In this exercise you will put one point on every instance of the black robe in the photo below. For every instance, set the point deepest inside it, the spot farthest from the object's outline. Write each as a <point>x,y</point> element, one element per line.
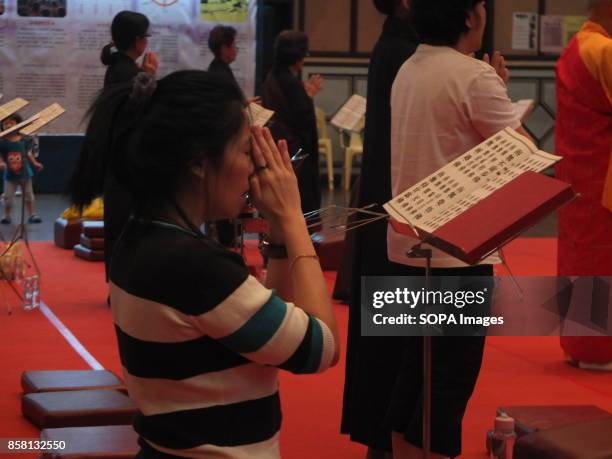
<point>122,69</point>
<point>118,203</point>
<point>295,121</point>
<point>218,67</point>
<point>226,230</point>
<point>372,362</point>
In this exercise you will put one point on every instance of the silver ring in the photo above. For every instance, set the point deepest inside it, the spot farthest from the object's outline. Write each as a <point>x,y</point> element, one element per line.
<point>261,168</point>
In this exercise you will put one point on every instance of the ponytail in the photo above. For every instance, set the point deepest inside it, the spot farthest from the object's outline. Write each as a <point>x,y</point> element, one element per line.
<point>106,56</point>
<point>89,175</point>
<point>146,133</point>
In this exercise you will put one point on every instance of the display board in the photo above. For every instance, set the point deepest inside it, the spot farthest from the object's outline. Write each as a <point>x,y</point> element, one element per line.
<point>50,49</point>
<point>536,27</point>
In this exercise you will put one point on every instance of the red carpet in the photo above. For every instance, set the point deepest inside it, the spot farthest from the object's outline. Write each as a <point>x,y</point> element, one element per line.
<point>515,371</point>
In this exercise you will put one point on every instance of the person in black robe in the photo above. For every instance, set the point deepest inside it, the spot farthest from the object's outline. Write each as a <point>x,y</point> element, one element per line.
<point>372,362</point>
<point>222,43</point>
<point>129,32</point>
<point>292,101</point>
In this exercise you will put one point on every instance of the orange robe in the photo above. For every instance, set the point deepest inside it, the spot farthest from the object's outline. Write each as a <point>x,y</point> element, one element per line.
<point>584,139</point>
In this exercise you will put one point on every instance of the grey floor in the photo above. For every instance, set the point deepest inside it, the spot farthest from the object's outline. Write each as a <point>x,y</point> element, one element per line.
<point>50,206</point>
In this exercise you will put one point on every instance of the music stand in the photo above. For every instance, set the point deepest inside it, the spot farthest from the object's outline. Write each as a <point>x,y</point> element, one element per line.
<point>418,252</point>
<point>21,233</point>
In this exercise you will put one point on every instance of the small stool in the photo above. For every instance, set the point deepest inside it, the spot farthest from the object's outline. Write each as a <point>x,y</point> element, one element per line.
<point>329,249</point>
<point>104,442</point>
<point>529,419</point>
<point>88,254</point>
<point>584,440</point>
<point>93,228</point>
<point>66,233</point>
<point>62,380</point>
<point>78,408</point>
<point>93,243</point>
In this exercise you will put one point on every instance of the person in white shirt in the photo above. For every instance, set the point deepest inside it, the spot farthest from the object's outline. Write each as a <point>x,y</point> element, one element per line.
<point>443,103</point>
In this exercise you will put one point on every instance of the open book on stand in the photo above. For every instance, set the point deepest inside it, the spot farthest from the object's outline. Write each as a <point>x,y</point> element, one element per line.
<point>35,122</point>
<point>11,107</point>
<point>482,199</point>
<point>350,115</point>
<point>259,115</point>
<point>524,108</point>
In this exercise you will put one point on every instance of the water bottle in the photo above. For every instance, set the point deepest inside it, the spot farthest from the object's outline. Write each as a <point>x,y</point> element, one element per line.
<point>502,438</point>
<point>31,291</point>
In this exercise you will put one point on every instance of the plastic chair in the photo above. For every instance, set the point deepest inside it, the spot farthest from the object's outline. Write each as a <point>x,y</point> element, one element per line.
<point>354,148</point>
<point>325,146</point>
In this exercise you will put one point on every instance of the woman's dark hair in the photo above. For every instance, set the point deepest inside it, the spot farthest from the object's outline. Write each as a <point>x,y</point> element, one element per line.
<point>386,7</point>
<point>148,142</point>
<point>220,35</point>
<point>126,28</point>
<point>290,47</point>
<point>441,22</point>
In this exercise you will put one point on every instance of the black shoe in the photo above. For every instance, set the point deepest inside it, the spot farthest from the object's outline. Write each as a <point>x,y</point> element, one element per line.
<point>34,219</point>
<point>5,221</point>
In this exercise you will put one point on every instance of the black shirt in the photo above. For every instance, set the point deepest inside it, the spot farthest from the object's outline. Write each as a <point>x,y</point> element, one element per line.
<point>295,121</point>
<point>219,67</point>
<point>122,69</point>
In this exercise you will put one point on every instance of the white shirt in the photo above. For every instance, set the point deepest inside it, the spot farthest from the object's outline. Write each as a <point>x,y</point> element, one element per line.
<point>443,103</point>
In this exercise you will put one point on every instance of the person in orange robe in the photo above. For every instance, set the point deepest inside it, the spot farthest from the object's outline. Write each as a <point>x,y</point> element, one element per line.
<point>584,140</point>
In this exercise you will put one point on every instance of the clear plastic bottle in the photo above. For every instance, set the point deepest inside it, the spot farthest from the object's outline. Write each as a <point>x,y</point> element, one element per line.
<point>31,293</point>
<point>502,438</point>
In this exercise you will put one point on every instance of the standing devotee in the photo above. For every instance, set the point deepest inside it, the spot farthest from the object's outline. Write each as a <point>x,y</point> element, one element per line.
<point>584,139</point>
<point>129,33</point>
<point>222,43</point>
<point>295,120</point>
<point>366,399</point>
<point>130,37</point>
<point>201,341</point>
<point>443,103</point>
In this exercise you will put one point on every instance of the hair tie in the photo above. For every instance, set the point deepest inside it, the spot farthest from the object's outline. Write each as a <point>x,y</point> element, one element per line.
<point>143,87</point>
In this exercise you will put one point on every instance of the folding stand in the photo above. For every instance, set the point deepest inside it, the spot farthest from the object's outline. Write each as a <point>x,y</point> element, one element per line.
<point>21,232</point>
<point>419,252</point>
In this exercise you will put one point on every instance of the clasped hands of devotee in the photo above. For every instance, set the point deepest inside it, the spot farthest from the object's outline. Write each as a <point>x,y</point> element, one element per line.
<point>313,85</point>
<point>274,186</point>
<point>150,62</point>
<point>498,63</point>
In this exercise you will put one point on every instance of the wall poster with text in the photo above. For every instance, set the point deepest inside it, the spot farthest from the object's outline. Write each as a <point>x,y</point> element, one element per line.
<point>50,49</point>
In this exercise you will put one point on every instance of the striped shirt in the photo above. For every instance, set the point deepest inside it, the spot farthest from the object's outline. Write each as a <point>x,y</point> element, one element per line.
<point>201,341</point>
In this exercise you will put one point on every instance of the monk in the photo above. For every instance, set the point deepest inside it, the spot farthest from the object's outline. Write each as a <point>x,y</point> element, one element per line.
<point>584,139</point>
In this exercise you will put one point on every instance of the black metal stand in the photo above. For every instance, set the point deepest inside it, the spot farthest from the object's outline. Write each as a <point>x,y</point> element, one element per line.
<point>419,252</point>
<point>21,232</point>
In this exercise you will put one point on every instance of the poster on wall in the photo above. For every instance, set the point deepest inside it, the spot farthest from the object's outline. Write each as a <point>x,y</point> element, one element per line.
<point>50,49</point>
<point>524,31</point>
<point>558,31</point>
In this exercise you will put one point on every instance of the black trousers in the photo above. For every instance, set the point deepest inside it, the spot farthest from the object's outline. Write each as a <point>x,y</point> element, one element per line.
<point>456,363</point>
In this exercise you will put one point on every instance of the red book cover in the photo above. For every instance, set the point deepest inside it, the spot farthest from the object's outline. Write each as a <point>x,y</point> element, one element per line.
<point>498,218</point>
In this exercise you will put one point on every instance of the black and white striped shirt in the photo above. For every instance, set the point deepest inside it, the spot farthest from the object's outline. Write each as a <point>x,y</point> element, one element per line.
<point>201,341</point>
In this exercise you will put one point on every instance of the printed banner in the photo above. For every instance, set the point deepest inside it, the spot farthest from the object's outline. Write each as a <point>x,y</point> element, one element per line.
<point>50,49</point>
